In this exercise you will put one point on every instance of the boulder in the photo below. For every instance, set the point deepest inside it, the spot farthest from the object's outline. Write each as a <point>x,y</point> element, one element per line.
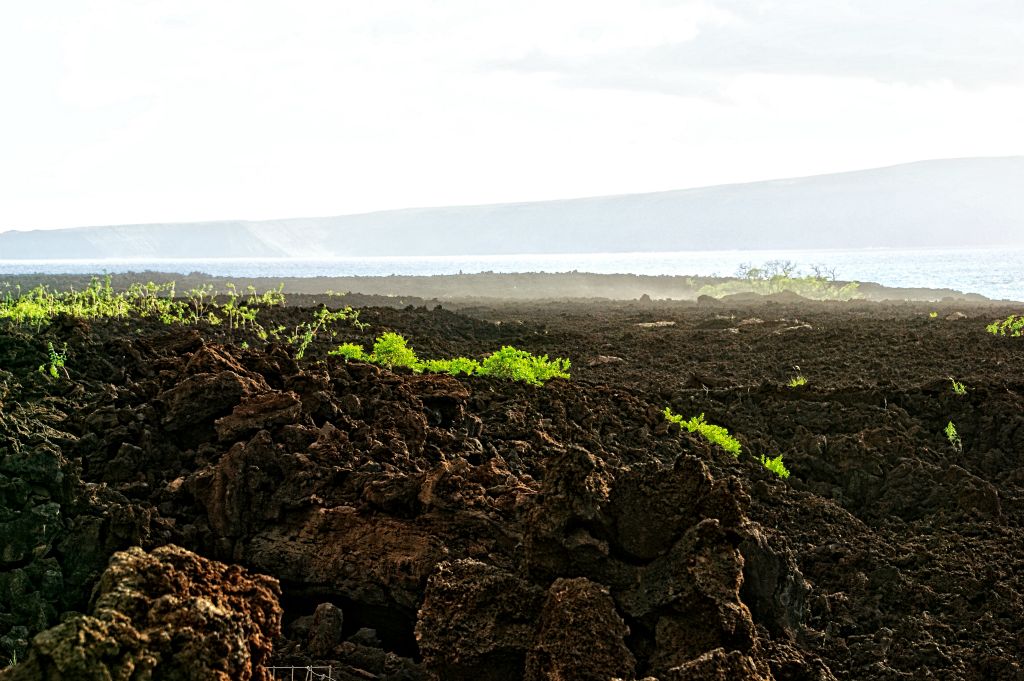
<point>164,615</point>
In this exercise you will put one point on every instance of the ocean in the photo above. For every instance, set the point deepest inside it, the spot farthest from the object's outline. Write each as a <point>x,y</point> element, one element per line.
<point>997,273</point>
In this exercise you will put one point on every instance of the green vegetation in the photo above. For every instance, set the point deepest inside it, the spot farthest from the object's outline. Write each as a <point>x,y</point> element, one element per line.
<point>519,365</point>
<point>392,350</point>
<point>933,314</point>
<point>714,434</point>
<point>237,312</point>
<point>777,276</point>
<point>1011,326</point>
<point>41,305</point>
<point>797,381</point>
<point>720,436</point>
<point>242,314</point>
<point>55,362</point>
<point>350,351</point>
<point>958,387</point>
<point>775,465</point>
<point>323,319</point>
<point>953,437</point>
<point>455,367</point>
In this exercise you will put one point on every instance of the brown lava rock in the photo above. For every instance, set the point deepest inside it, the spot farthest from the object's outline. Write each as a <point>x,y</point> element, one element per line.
<point>167,614</point>
<point>581,635</point>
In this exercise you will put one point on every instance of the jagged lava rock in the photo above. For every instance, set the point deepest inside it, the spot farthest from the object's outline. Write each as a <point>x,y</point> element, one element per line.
<point>165,615</point>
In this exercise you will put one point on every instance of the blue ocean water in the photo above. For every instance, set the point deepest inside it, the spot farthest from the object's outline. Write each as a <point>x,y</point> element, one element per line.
<point>994,272</point>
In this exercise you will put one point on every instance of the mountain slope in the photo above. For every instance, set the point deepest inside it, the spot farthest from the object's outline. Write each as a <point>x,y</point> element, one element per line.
<point>945,203</point>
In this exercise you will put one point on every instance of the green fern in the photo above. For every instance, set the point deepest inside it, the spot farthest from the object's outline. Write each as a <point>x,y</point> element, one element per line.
<point>775,465</point>
<point>714,434</point>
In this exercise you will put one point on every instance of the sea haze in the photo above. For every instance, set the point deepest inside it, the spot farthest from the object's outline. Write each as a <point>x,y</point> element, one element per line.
<point>992,272</point>
<point>940,204</point>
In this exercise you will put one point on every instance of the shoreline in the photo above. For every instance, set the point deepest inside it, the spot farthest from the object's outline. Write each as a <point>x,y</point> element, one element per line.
<point>455,289</point>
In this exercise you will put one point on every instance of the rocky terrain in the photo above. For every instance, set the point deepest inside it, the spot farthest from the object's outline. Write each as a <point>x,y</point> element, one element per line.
<point>183,505</point>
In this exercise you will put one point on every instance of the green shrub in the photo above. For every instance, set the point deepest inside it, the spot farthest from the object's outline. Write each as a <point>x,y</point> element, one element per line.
<point>392,350</point>
<point>98,300</point>
<point>953,437</point>
<point>710,432</point>
<point>455,367</point>
<point>775,465</point>
<point>797,381</point>
<point>958,387</point>
<point>1011,326</point>
<point>519,365</point>
<point>323,320</point>
<point>350,351</point>
<point>55,362</point>
<point>777,276</point>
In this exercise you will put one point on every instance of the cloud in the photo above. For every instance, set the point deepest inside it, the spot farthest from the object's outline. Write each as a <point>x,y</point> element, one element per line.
<point>143,110</point>
<point>967,43</point>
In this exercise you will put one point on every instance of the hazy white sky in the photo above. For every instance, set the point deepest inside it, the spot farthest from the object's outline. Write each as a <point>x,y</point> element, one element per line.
<point>118,111</point>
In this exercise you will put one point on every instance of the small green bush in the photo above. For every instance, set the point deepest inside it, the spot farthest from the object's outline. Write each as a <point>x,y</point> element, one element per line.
<point>710,432</point>
<point>350,351</point>
<point>775,465</point>
<point>958,387</point>
<point>455,367</point>
<point>519,365</point>
<point>55,362</point>
<point>323,320</point>
<point>1011,326</point>
<point>797,381</point>
<point>777,276</point>
<point>392,350</point>
<point>953,437</point>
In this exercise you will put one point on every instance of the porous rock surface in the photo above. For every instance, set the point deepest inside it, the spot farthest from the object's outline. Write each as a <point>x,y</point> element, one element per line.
<point>431,527</point>
<point>167,614</point>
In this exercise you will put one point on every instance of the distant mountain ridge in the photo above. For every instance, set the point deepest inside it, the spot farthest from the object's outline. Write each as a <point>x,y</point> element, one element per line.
<point>942,203</point>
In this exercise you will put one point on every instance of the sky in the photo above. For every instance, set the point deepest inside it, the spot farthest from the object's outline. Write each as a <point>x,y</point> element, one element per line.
<point>134,111</point>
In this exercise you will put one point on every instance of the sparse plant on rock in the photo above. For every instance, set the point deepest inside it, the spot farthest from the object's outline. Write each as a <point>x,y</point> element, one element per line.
<point>323,319</point>
<point>775,465</point>
<point>710,432</point>
<point>954,437</point>
<point>1011,326</point>
<point>55,362</point>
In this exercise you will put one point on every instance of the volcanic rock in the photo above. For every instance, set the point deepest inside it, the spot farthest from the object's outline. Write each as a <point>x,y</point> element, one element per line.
<point>168,614</point>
